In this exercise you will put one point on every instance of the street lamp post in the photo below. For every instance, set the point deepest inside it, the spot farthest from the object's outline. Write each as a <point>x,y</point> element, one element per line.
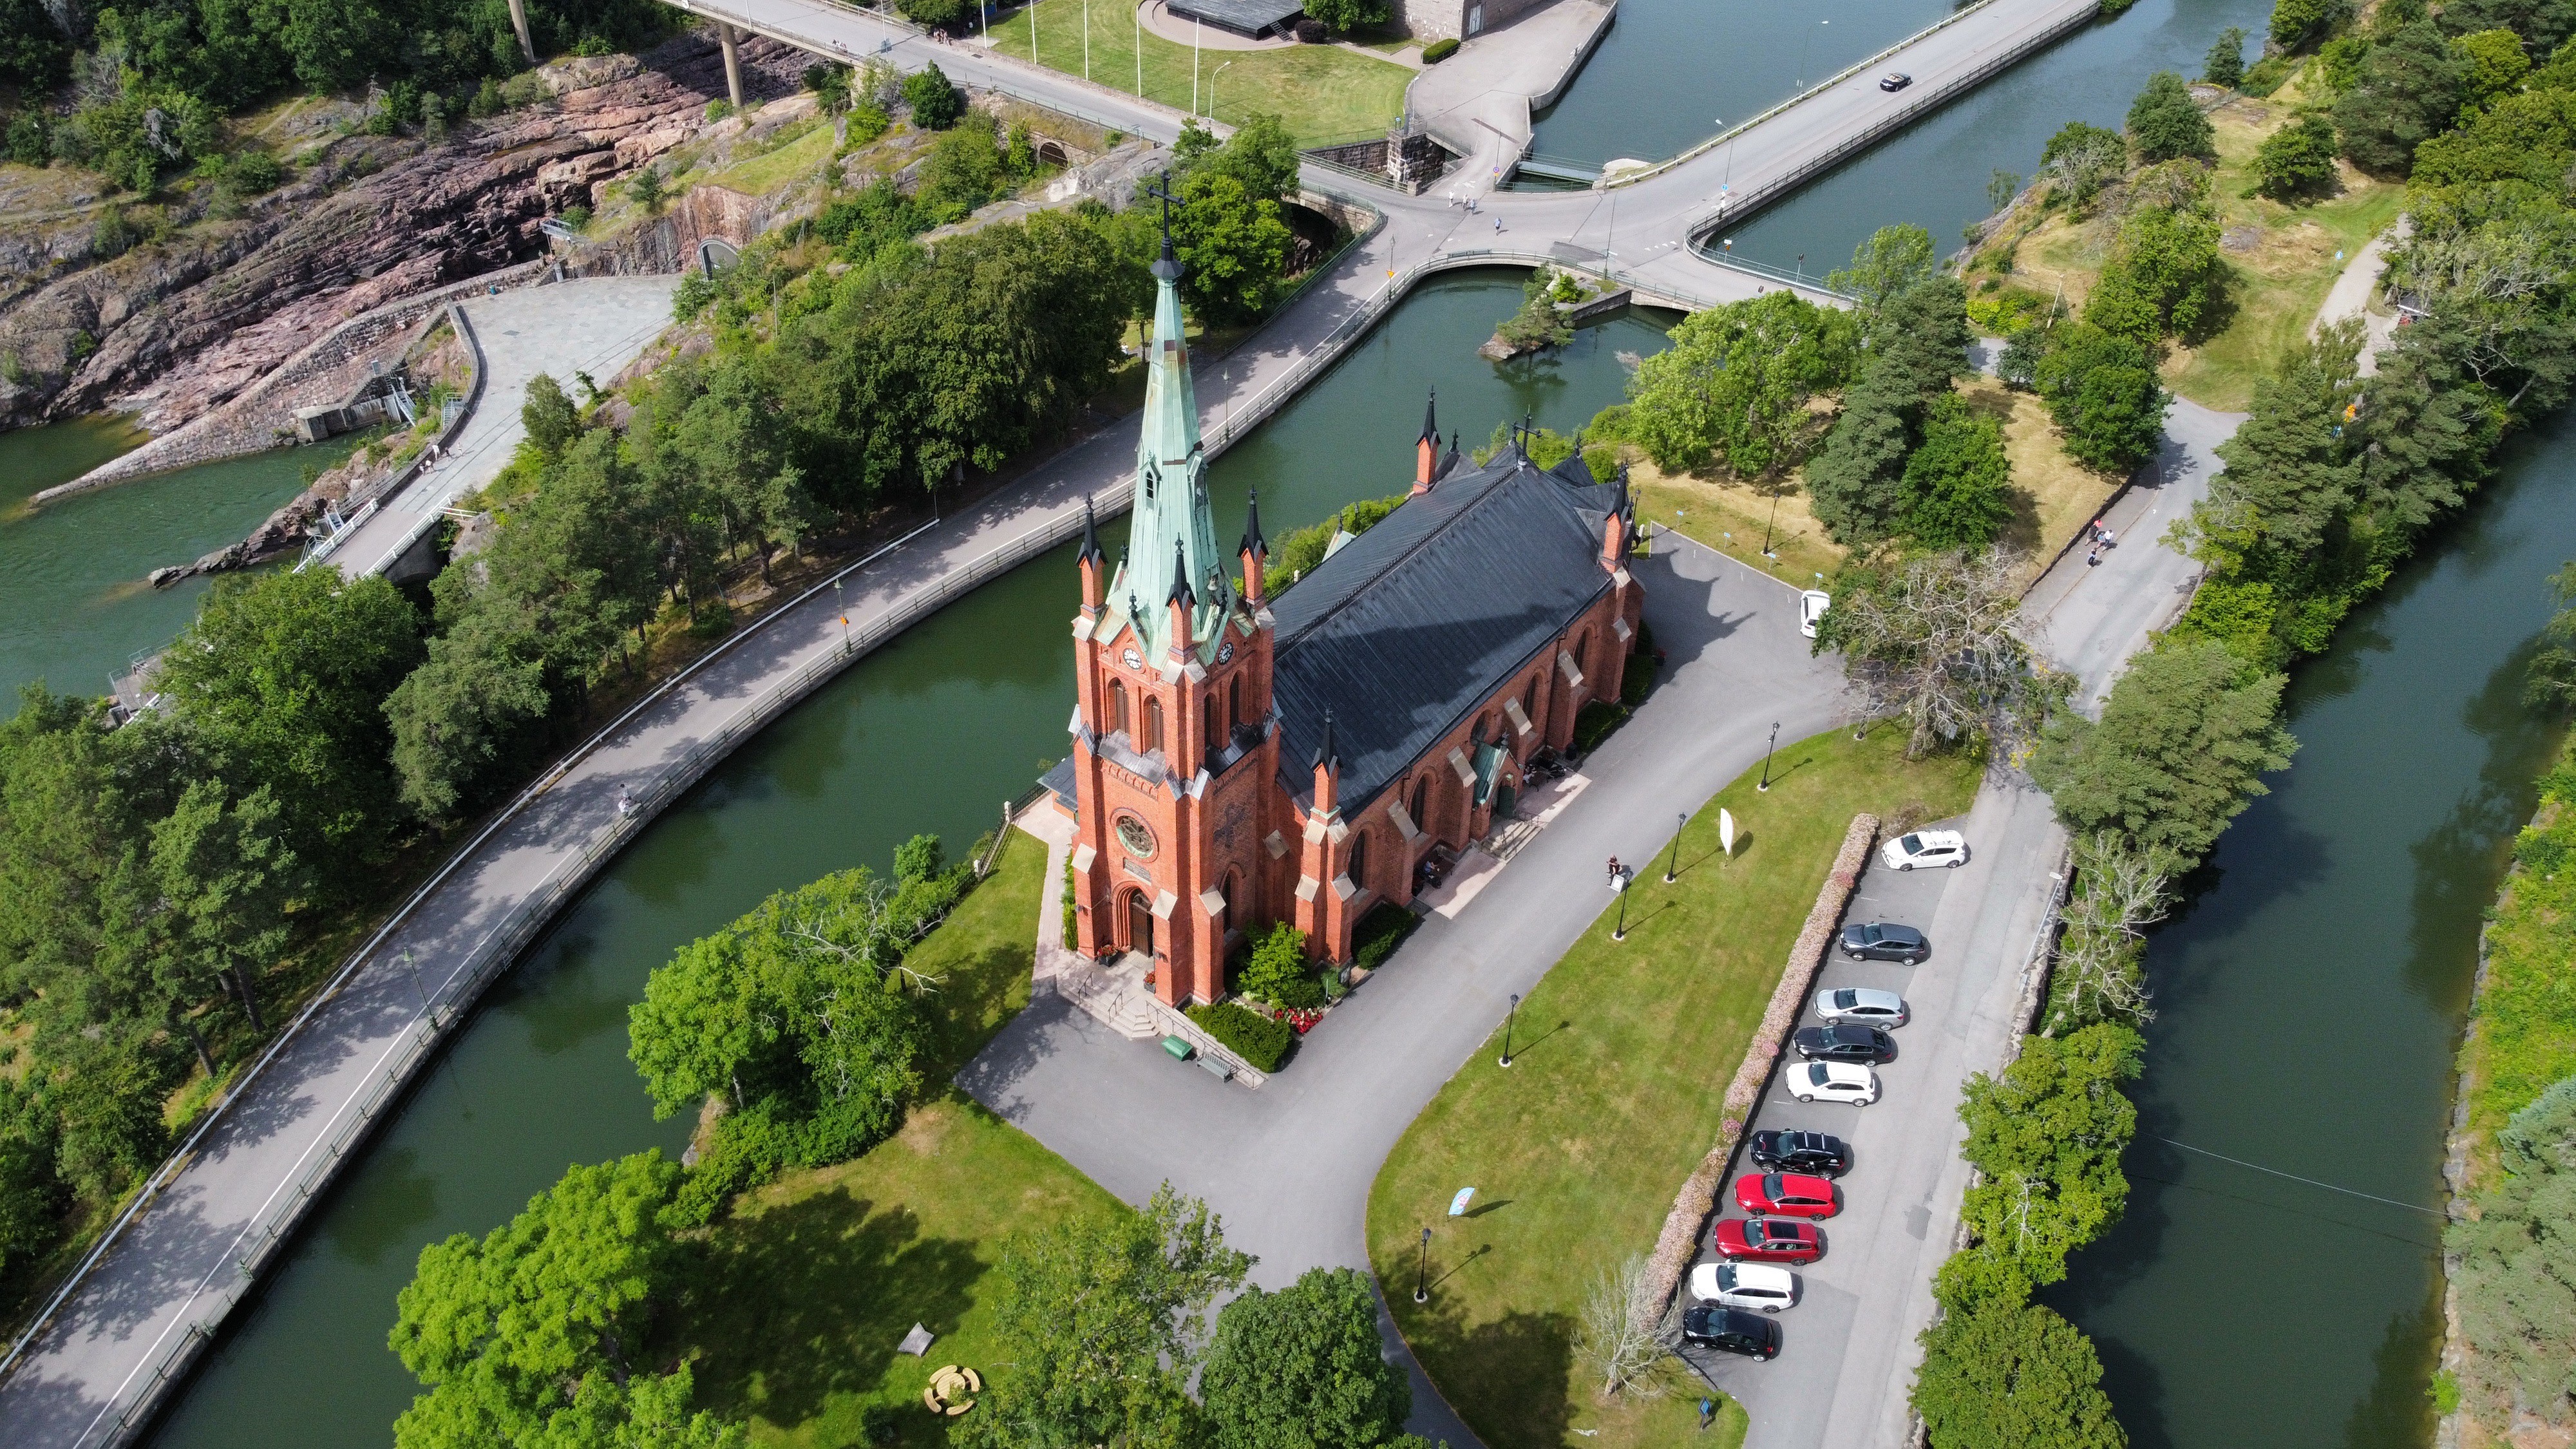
<point>1673,861</point>
<point>1422,1270</point>
<point>1772,518</point>
<point>1765,786</point>
<point>1212,79</point>
<point>1802,54</point>
<point>1508,1018</point>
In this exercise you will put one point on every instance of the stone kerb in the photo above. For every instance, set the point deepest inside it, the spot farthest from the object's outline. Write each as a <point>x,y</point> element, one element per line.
<point>1678,1244</point>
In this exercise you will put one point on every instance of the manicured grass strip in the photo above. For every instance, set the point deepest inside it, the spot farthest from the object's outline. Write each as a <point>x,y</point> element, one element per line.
<point>814,1279</point>
<point>1325,93</point>
<point>1620,1063</point>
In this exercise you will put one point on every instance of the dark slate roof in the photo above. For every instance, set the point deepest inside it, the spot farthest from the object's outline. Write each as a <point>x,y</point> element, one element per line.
<point>1060,782</point>
<point>1247,17</point>
<point>1420,619</point>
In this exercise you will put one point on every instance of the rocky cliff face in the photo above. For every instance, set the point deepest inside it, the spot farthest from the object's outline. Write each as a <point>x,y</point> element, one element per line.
<point>175,327</point>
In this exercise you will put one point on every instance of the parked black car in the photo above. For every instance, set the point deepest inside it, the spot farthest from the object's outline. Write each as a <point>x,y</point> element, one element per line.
<point>1730,1330</point>
<point>1846,1043</point>
<point>1879,941</point>
<point>1801,1152</point>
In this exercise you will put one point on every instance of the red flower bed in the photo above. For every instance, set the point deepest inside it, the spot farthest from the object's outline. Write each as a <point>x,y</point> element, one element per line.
<point>1301,1017</point>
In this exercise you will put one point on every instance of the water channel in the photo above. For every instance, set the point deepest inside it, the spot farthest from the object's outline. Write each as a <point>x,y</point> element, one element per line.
<point>2228,1308</point>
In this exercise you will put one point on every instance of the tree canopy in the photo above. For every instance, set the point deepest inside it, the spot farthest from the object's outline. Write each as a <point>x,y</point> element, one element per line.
<point>1304,1368</point>
<point>2181,748</point>
<point>1735,383</point>
<point>2409,90</point>
<point>2166,125</point>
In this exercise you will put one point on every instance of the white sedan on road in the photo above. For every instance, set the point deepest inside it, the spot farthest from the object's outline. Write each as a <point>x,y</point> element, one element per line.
<point>1812,605</point>
<point>1922,848</point>
<point>1758,1286</point>
<point>1833,1082</point>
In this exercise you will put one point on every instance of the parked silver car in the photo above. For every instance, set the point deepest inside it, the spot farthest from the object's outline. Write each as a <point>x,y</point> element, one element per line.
<point>1839,1004</point>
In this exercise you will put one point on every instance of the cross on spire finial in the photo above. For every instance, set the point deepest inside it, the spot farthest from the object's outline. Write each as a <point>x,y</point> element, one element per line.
<point>1168,267</point>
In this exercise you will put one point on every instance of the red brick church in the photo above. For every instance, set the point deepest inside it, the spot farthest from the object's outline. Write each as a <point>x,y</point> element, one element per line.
<point>1241,759</point>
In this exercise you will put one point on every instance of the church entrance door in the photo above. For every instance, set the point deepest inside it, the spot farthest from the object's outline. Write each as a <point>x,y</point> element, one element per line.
<point>1140,924</point>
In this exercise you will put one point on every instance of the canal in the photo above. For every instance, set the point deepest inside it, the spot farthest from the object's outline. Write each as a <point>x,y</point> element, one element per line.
<point>2341,911</point>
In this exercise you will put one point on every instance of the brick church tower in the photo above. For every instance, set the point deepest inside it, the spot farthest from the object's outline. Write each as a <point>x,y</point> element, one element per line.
<point>1174,743</point>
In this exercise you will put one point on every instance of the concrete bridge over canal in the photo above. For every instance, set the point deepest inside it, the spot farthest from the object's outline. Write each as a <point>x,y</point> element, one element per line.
<point>148,1302</point>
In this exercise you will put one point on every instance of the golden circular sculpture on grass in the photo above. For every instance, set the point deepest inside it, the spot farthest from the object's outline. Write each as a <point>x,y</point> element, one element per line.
<point>951,1390</point>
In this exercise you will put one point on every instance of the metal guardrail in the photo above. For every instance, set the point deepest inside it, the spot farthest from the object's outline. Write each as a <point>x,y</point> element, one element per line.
<point>1754,199</point>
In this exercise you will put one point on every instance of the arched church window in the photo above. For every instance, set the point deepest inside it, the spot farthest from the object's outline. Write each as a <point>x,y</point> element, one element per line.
<point>1117,707</point>
<point>1215,740</point>
<point>1153,725</point>
<point>1357,870</point>
<point>1421,798</point>
<point>1529,698</point>
<point>1234,701</point>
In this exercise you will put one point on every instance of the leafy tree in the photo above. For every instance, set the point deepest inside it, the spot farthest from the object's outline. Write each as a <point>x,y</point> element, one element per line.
<point>1344,16</point>
<point>282,679</point>
<point>2516,1282</point>
<point>1261,154</point>
<point>1234,244</point>
<point>2226,63</point>
<point>107,1104</point>
<point>2082,159</point>
<point>551,420</point>
<point>2542,23</point>
<point>511,1332</point>
<point>224,881</point>
<point>2047,1137</point>
<point>468,713</point>
<point>646,190</point>
<point>2164,277</point>
<point>31,1190</point>
<point>2295,21</point>
<point>2409,89</point>
<point>1930,642</point>
<point>936,13</point>
<point>1891,262</point>
<point>2296,160</point>
<point>2553,668</point>
<point>1279,971</point>
<point>1100,1318</point>
<point>1304,1368</point>
<point>1958,484</point>
<point>2181,748</point>
<point>1736,380</point>
<point>934,100</point>
<point>2291,474</point>
<point>35,55</point>
<point>962,171</point>
<point>2012,1375</point>
<point>2492,64</point>
<point>1855,480</point>
<point>2103,393</point>
<point>2166,125</point>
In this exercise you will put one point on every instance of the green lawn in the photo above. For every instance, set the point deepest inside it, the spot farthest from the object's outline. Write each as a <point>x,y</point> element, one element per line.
<point>1324,92</point>
<point>815,1278</point>
<point>1620,1060</point>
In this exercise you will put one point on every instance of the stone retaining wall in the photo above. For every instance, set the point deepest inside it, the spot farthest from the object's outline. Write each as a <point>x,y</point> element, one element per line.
<point>1678,1245</point>
<point>321,375</point>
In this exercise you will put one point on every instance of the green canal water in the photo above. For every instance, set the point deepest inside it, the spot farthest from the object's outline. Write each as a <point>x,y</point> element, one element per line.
<point>2309,1002</point>
<point>74,608</point>
<point>933,733</point>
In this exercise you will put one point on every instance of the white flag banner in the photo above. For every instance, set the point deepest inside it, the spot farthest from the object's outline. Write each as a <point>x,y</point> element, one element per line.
<point>1725,831</point>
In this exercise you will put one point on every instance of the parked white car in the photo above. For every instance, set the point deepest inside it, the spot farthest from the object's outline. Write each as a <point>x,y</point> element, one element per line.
<point>1833,1082</point>
<point>1925,848</point>
<point>1838,1004</point>
<point>1757,1286</point>
<point>1811,608</point>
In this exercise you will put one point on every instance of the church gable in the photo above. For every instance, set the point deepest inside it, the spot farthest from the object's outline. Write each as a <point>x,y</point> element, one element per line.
<point>1421,619</point>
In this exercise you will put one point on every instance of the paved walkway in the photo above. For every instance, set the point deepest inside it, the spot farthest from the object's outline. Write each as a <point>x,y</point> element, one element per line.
<point>1478,101</point>
<point>595,325</point>
<point>2350,295</point>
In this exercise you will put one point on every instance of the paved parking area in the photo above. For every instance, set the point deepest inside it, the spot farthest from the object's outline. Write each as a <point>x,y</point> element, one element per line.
<point>1789,1397</point>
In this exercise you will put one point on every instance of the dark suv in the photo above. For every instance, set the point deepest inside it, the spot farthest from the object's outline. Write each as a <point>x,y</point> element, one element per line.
<point>1730,1330</point>
<point>1866,1045</point>
<point>1801,1152</point>
<point>1879,941</point>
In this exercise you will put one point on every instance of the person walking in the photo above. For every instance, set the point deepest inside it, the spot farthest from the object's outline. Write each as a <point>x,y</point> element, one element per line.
<point>2093,556</point>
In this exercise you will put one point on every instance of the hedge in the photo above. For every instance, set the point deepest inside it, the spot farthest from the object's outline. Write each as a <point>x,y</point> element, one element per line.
<point>1439,50</point>
<point>1247,1033</point>
<point>1379,933</point>
<point>1594,722</point>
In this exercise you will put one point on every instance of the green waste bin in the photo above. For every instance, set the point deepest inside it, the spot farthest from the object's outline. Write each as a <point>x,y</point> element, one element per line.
<point>1179,1047</point>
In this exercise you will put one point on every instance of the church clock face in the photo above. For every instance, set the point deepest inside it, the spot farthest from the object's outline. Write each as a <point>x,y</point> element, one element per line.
<point>1225,652</point>
<point>1134,659</point>
<point>1133,834</point>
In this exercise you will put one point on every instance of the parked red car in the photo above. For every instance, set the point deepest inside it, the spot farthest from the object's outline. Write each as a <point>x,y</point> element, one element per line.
<point>1793,1193</point>
<point>1768,1240</point>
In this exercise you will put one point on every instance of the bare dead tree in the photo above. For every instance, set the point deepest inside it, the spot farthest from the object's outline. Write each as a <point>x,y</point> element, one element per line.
<point>1627,1336</point>
<point>863,932</point>
<point>2119,891</point>
<point>1932,644</point>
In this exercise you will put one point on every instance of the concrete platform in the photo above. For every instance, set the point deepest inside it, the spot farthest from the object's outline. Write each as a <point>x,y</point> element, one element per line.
<point>1478,102</point>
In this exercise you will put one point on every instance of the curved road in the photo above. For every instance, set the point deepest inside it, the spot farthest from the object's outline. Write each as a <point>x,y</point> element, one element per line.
<point>159,1289</point>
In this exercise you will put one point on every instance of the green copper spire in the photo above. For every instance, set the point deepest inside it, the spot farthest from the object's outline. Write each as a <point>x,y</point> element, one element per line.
<point>1174,535</point>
